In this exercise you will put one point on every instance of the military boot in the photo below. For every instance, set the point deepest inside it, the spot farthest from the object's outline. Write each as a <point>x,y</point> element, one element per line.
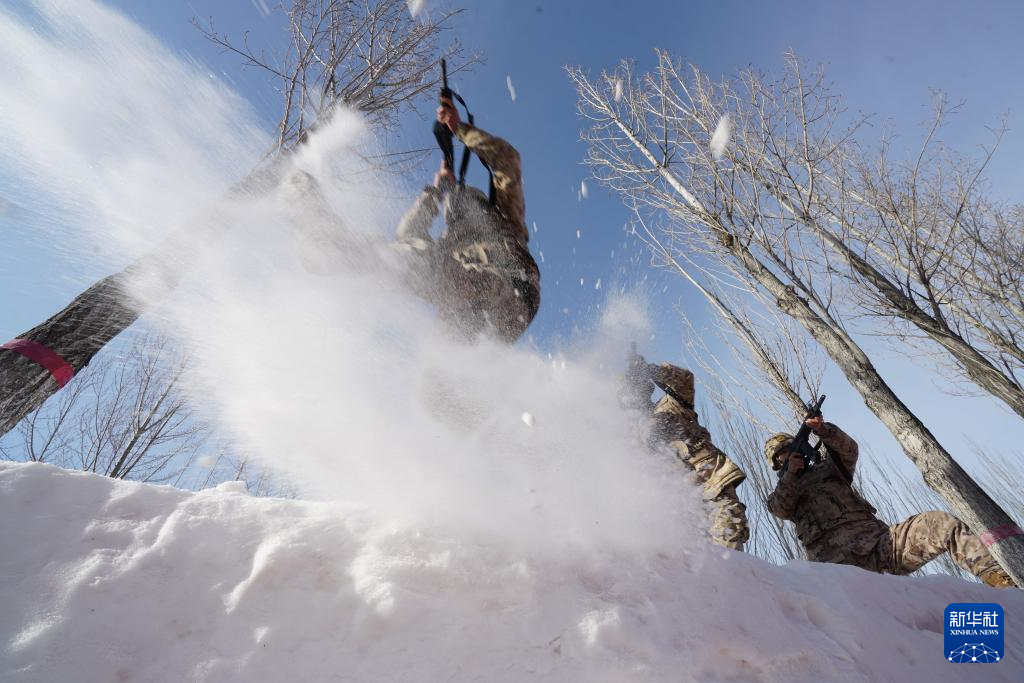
<point>997,578</point>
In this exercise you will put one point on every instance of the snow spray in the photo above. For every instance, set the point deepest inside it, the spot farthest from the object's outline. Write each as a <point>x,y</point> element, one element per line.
<point>346,384</point>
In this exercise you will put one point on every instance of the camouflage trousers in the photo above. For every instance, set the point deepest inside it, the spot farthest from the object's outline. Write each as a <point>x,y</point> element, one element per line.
<point>909,545</point>
<point>728,520</point>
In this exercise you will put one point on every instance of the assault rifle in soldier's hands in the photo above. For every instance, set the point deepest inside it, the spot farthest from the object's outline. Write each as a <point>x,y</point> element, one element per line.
<point>444,137</point>
<point>441,132</point>
<point>800,444</point>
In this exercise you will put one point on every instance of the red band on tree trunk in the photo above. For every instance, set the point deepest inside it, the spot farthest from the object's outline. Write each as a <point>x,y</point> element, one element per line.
<point>44,357</point>
<point>1000,533</point>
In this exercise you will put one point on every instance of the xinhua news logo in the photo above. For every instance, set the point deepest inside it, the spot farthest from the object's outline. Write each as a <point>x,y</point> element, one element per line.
<point>974,633</point>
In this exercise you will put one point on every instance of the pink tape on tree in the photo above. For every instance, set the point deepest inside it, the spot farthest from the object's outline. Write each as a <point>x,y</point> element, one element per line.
<point>1001,533</point>
<point>43,356</point>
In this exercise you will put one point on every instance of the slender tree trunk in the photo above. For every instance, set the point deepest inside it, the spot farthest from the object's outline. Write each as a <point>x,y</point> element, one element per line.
<point>980,370</point>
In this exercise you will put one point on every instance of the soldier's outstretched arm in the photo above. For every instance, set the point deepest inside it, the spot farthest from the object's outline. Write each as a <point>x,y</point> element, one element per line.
<point>415,224</point>
<point>782,501</point>
<point>503,160</point>
<point>840,443</point>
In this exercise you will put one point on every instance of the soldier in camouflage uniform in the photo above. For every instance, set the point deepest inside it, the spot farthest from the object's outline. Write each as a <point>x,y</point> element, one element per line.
<point>675,423</point>
<point>479,274</point>
<point>835,524</point>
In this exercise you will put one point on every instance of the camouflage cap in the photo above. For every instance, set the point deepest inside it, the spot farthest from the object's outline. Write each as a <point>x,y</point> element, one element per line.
<point>772,445</point>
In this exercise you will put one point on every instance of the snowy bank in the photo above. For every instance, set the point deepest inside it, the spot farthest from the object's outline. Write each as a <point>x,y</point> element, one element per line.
<point>113,581</point>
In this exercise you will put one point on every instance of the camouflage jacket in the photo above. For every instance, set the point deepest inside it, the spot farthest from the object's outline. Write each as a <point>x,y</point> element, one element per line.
<point>833,522</point>
<point>676,423</point>
<point>476,220</point>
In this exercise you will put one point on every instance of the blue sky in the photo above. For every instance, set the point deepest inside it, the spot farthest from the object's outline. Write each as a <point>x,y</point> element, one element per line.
<point>884,57</point>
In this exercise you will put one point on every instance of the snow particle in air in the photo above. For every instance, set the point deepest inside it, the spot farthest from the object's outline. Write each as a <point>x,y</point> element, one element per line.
<point>415,6</point>
<point>721,137</point>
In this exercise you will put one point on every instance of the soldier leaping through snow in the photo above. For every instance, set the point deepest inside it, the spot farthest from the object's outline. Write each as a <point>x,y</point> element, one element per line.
<point>479,273</point>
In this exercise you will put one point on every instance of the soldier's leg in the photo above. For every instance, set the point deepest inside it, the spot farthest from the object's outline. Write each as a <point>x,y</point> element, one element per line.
<point>729,520</point>
<point>923,537</point>
<point>511,308</point>
<point>475,303</point>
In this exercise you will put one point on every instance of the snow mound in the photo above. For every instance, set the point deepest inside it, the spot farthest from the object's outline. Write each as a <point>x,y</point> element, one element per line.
<point>113,581</point>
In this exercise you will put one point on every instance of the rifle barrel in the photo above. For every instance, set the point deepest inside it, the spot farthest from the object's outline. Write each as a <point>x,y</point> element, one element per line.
<point>445,90</point>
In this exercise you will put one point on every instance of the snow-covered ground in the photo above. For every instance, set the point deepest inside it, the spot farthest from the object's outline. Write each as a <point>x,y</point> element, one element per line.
<point>105,580</point>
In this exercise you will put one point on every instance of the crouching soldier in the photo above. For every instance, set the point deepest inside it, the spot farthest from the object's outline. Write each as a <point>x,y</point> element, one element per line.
<point>674,423</point>
<point>835,524</point>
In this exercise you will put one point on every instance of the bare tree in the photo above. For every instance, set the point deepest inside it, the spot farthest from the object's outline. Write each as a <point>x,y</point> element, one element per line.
<point>370,55</point>
<point>929,250</point>
<point>650,140</point>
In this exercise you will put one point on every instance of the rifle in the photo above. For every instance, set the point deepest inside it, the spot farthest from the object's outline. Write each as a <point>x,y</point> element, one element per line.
<point>445,138</point>
<point>810,455</point>
<point>441,132</point>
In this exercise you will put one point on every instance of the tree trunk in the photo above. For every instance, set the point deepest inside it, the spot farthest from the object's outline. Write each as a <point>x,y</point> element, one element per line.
<point>78,332</point>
